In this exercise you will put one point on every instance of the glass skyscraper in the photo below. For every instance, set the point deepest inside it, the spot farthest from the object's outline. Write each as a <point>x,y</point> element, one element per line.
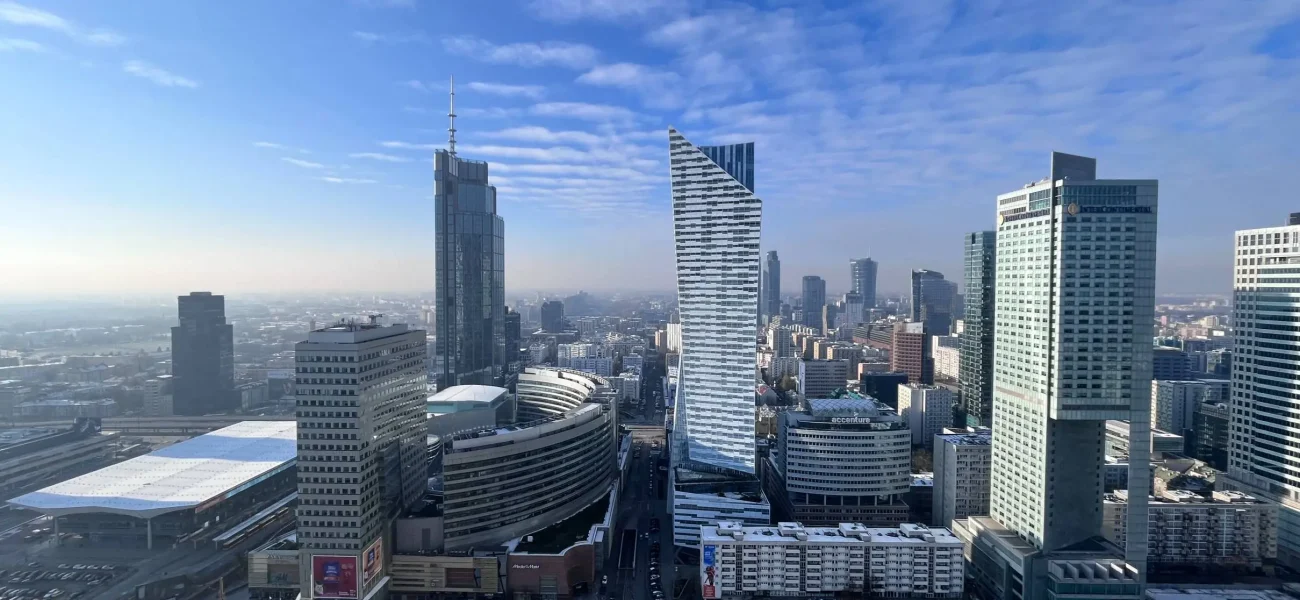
<point>203,356</point>
<point>933,300</point>
<point>716,219</point>
<point>470,274</point>
<point>770,300</point>
<point>977,339</point>
<point>862,280</point>
<point>814,300</point>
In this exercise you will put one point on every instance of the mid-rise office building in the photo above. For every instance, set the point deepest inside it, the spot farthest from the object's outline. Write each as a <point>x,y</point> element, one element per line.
<point>203,357</point>
<point>553,316</point>
<point>814,300</point>
<point>882,386</point>
<point>789,559</point>
<point>1211,435</point>
<point>470,280</point>
<point>1074,314</point>
<point>770,289</point>
<point>1174,404</point>
<point>514,327</point>
<point>1227,530</point>
<point>362,458</point>
<point>934,301</point>
<point>926,409</point>
<point>862,280</point>
<point>841,460</point>
<point>963,464</point>
<point>158,397</point>
<point>716,223</point>
<point>910,353</point>
<point>1265,368</point>
<point>976,373</point>
<point>947,360</point>
<point>820,378</point>
<point>1169,364</point>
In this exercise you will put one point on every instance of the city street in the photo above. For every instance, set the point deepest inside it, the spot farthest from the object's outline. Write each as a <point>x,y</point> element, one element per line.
<point>641,502</point>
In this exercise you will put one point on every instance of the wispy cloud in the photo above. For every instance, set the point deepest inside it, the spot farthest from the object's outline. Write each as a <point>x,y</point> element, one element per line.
<point>659,87</point>
<point>419,86</point>
<point>604,10</point>
<point>391,38</point>
<point>380,157</point>
<point>526,54</point>
<point>26,16</point>
<point>385,3</point>
<point>583,111</point>
<point>347,180</point>
<point>415,110</point>
<point>505,89</point>
<point>491,112</point>
<point>306,164</point>
<point>157,75</point>
<point>398,145</point>
<point>275,146</point>
<point>19,45</point>
<point>545,136</point>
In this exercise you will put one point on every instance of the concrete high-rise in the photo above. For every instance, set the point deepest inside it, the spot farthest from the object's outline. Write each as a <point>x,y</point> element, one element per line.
<point>977,339</point>
<point>203,356</point>
<point>553,316</point>
<point>814,298</point>
<point>1265,369</point>
<point>1074,313</point>
<point>911,353</point>
<point>469,240</point>
<point>361,446</point>
<point>770,289</point>
<point>933,301</point>
<point>716,228</point>
<point>862,280</point>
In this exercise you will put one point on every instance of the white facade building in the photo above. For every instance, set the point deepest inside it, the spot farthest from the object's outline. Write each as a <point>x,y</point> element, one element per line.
<point>1264,408</point>
<point>361,393</point>
<point>716,219</point>
<point>158,396</point>
<point>1174,403</point>
<point>962,474</point>
<point>788,559</point>
<point>1227,529</point>
<point>599,366</point>
<point>927,409</point>
<point>947,362</point>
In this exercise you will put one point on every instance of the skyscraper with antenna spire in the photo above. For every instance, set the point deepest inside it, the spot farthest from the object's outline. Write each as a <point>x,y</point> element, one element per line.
<point>469,241</point>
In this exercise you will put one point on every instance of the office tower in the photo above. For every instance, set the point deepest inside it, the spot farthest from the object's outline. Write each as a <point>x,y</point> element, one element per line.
<point>814,298</point>
<point>1211,435</point>
<point>962,464</point>
<point>553,316</point>
<point>862,280</point>
<point>361,446</point>
<point>1169,364</point>
<point>933,301</point>
<point>977,339</point>
<point>829,314</point>
<point>716,228</point>
<point>158,399</point>
<point>203,357</point>
<point>882,386</point>
<point>469,240</point>
<point>853,309</point>
<point>770,299</point>
<point>926,409</point>
<point>1264,375</point>
<point>513,332</point>
<point>910,353</point>
<point>1174,404</point>
<point>866,480</point>
<point>1074,316</point>
<point>820,378</point>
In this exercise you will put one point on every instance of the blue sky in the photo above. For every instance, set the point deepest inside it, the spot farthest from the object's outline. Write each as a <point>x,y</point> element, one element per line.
<point>256,146</point>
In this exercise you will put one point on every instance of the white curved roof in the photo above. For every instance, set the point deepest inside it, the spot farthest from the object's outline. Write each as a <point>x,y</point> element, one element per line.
<point>178,477</point>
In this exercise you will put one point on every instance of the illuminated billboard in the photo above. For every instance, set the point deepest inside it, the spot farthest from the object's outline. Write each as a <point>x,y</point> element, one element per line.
<point>372,561</point>
<point>334,577</point>
<point>708,572</point>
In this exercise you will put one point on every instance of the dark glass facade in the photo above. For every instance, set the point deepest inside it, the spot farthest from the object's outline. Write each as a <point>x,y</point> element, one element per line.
<point>736,159</point>
<point>769,299</point>
<point>814,298</point>
<point>552,316</point>
<point>203,356</point>
<point>862,280</point>
<point>977,338</point>
<point>470,274</point>
<point>933,301</point>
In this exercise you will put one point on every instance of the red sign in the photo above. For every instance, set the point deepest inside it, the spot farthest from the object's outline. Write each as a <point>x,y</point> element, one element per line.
<point>334,577</point>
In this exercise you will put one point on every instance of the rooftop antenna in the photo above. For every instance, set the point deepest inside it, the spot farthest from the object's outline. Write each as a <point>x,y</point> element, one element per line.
<point>451,117</point>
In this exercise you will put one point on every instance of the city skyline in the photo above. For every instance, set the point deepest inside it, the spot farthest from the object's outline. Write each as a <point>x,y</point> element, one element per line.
<point>217,151</point>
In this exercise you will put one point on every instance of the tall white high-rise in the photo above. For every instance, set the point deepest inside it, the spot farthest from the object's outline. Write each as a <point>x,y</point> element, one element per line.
<point>361,446</point>
<point>716,219</point>
<point>1265,368</point>
<point>1075,284</point>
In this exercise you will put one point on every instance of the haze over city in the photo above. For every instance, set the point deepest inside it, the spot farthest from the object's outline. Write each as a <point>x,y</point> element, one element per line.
<point>164,147</point>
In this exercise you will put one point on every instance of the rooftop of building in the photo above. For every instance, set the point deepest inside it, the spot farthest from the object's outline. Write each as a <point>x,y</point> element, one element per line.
<point>9,437</point>
<point>468,394</point>
<point>922,479</point>
<point>786,532</point>
<point>1185,497</point>
<point>566,533</point>
<point>973,436</point>
<point>182,476</point>
<point>1219,593</point>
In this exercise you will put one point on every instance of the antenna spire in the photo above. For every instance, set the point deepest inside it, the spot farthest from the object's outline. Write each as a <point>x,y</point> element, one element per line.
<point>451,117</point>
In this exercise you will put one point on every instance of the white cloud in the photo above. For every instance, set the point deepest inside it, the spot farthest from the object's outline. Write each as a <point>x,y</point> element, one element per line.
<point>26,16</point>
<point>380,157</point>
<point>543,135</point>
<point>275,146</point>
<point>491,112</point>
<point>390,38</point>
<point>159,76</point>
<point>385,3</point>
<point>347,180</point>
<point>417,85</point>
<point>399,145</point>
<point>605,10</point>
<point>415,110</point>
<point>306,164</point>
<point>583,111</point>
<point>18,45</point>
<point>526,54</point>
<point>505,89</point>
<point>659,88</point>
